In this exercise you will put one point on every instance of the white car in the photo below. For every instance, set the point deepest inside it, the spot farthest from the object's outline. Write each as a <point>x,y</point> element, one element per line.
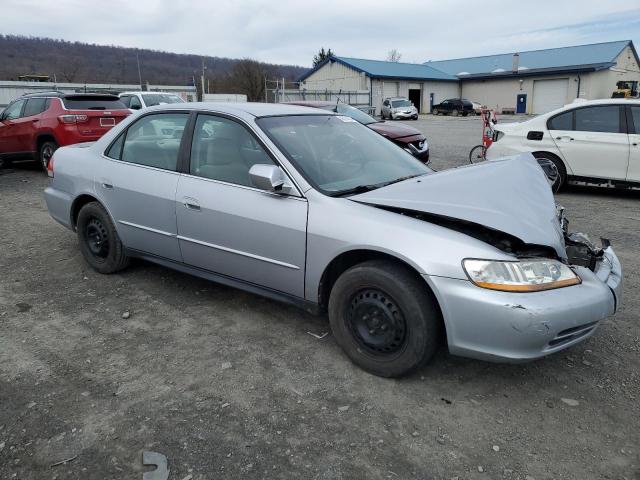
<point>395,108</point>
<point>140,100</point>
<point>596,142</point>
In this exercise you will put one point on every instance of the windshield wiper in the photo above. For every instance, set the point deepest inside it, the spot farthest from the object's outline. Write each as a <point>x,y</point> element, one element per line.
<point>354,190</point>
<point>401,179</point>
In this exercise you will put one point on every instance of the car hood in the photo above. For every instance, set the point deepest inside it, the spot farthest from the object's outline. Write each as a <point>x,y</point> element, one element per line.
<point>394,130</point>
<point>510,195</point>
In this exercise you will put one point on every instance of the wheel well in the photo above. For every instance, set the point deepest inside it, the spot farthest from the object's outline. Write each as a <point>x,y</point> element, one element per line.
<point>345,261</point>
<point>78,203</point>
<point>45,137</point>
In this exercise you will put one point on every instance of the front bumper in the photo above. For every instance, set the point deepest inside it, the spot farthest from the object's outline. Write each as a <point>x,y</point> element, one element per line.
<point>409,114</point>
<point>512,327</point>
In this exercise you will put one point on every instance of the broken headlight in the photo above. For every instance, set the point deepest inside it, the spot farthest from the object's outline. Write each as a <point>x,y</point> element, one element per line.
<point>523,276</point>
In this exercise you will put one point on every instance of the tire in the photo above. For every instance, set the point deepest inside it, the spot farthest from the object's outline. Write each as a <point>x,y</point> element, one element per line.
<point>3,163</point>
<point>464,114</point>
<point>478,154</point>
<point>415,118</point>
<point>46,152</point>
<point>435,111</point>
<point>454,112</point>
<point>99,242</point>
<point>407,320</point>
<point>554,169</point>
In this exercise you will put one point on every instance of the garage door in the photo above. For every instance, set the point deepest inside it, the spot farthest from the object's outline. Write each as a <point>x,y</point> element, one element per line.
<point>549,95</point>
<point>390,89</point>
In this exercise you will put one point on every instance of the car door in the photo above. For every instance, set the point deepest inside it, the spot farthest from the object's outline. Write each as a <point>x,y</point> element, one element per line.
<point>10,128</point>
<point>137,183</point>
<point>29,122</point>
<point>633,115</point>
<point>228,226</point>
<point>593,140</point>
<point>445,106</point>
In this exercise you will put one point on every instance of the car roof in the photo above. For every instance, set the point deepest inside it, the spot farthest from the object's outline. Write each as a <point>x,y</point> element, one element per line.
<point>58,94</point>
<point>147,93</point>
<point>585,103</point>
<point>312,103</point>
<point>252,108</point>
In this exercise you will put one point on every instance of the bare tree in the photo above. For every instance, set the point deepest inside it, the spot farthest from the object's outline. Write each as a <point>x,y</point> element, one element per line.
<point>247,76</point>
<point>394,55</point>
<point>70,69</point>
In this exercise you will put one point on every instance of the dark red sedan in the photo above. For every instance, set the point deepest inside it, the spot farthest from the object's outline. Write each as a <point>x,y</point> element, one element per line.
<point>412,140</point>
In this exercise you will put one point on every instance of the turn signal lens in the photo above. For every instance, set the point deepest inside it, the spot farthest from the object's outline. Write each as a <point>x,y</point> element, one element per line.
<point>522,276</point>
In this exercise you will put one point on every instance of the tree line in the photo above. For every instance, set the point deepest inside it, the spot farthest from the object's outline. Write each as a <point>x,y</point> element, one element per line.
<point>77,62</point>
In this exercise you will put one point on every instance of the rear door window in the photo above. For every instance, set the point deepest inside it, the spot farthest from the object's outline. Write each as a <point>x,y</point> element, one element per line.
<point>635,114</point>
<point>135,103</point>
<point>93,102</point>
<point>564,121</point>
<point>35,106</point>
<point>154,141</point>
<point>604,119</point>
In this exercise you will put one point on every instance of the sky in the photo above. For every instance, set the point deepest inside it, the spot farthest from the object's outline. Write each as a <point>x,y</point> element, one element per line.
<point>292,32</point>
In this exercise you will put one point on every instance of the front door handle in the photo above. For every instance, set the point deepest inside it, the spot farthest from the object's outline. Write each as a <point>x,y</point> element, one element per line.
<point>191,203</point>
<point>107,185</point>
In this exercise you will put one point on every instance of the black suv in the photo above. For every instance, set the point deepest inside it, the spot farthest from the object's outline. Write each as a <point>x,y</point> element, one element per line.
<point>453,106</point>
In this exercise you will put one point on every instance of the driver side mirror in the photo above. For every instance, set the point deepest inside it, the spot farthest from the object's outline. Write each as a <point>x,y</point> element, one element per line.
<point>135,107</point>
<point>270,178</point>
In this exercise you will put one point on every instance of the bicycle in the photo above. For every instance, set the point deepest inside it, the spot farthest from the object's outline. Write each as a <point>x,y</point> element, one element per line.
<point>479,152</point>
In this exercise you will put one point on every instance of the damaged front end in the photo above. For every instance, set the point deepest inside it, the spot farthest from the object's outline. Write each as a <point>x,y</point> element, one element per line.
<point>581,251</point>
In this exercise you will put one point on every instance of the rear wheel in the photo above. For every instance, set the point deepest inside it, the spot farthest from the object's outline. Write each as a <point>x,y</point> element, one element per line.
<point>478,154</point>
<point>435,111</point>
<point>454,112</point>
<point>99,242</point>
<point>46,152</point>
<point>553,168</point>
<point>384,318</point>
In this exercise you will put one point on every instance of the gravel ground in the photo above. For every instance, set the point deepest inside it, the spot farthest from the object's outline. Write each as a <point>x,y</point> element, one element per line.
<point>98,369</point>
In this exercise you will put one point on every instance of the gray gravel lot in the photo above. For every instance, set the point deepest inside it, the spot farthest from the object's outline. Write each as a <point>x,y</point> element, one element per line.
<point>230,385</point>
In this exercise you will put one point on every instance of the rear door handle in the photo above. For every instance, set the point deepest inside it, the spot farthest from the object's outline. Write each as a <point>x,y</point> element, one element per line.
<point>191,203</point>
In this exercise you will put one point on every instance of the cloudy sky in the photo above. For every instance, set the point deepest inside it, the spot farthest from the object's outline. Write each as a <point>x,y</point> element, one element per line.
<point>292,32</point>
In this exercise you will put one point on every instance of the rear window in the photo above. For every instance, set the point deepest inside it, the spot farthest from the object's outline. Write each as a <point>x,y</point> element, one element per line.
<point>564,121</point>
<point>93,102</point>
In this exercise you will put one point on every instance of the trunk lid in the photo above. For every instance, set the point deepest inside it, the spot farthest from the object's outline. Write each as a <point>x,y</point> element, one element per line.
<point>102,112</point>
<point>510,195</point>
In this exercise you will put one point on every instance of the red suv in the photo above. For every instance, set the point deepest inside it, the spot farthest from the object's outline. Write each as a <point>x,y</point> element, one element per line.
<point>34,125</point>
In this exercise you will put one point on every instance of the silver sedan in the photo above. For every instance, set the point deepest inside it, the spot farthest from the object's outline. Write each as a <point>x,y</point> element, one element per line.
<point>315,209</point>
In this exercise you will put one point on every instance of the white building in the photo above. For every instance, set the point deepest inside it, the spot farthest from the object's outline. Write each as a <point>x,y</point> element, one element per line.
<point>530,82</point>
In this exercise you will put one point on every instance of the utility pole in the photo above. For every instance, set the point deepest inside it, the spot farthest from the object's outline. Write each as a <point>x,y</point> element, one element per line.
<point>203,69</point>
<point>139,74</point>
<point>282,89</point>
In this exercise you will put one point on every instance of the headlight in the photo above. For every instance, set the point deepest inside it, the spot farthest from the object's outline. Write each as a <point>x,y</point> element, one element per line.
<point>523,276</point>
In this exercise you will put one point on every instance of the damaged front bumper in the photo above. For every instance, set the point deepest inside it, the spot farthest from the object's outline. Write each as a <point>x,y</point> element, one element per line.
<point>512,327</point>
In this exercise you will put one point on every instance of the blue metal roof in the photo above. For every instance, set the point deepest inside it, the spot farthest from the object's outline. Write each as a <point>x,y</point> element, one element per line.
<point>382,69</point>
<point>581,57</point>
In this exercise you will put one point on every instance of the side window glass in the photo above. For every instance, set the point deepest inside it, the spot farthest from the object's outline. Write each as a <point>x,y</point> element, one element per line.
<point>135,103</point>
<point>564,121</point>
<point>34,106</point>
<point>225,150</point>
<point>598,119</point>
<point>635,113</point>
<point>115,150</point>
<point>154,140</point>
<point>126,99</point>
<point>13,111</point>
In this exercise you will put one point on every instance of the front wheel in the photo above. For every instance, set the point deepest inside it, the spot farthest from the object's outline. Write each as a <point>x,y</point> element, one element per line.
<point>384,318</point>
<point>454,113</point>
<point>435,111</point>
<point>99,241</point>
<point>47,150</point>
<point>478,154</point>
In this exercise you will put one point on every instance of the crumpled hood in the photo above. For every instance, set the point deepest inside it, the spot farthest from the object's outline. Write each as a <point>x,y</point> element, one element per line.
<point>394,130</point>
<point>511,195</point>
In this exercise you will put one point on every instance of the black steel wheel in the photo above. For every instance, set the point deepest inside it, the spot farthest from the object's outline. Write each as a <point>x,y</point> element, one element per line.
<point>385,318</point>
<point>376,322</point>
<point>98,239</point>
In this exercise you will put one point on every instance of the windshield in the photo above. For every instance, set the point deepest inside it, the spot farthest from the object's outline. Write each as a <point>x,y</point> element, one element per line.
<point>338,155</point>
<point>355,113</point>
<point>151,100</point>
<point>400,103</point>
